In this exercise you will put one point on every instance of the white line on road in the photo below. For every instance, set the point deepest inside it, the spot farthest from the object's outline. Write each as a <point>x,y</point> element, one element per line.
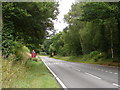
<point>61,83</point>
<point>106,71</point>
<point>77,69</point>
<point>92,75</point>
<point>116,84</point>
<point>110,72</point>
<point>115,73</point>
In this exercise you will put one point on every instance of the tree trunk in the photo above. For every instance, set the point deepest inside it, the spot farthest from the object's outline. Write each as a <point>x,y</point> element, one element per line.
<point>112,50</point>
<point>118,25</point>
<point>103,45</point>
<point>81,42</point>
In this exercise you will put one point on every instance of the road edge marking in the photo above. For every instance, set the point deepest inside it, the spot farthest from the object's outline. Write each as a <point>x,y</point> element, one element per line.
<point>60,82</point>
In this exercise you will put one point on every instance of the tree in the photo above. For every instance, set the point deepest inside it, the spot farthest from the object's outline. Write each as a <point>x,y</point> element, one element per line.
<point>56,43</point>
<point>46,45</point>
<point>27,22</point>
<point>104,14</point>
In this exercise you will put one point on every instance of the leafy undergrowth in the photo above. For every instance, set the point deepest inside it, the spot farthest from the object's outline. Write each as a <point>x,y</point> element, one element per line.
<point>32,75</point>
<point>88,59</point>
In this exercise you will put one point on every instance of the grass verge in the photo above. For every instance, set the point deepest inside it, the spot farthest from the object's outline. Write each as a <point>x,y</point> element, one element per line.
<point>88,60</point>
<point>32,75</point>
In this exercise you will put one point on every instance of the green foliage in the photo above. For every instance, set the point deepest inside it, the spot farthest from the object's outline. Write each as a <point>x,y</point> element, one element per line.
<point>26,23</point>
<point>46,45</point>
<point>72,42</point>
<point>7,39</point>
<point>106,15</point>
<point>20,51</point>
<point>92,31</point>
<point>51,49</point>
<point>96,27</point>
<point>94,53</point>
<point>56,43</point>
<point>62,51</point>
<point>43,53</point>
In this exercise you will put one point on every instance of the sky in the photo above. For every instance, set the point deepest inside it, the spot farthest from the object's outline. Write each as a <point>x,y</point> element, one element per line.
<point>64,7</point>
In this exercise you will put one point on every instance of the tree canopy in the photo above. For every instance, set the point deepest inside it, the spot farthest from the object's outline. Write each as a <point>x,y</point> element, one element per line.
<point>27,23</point>
<point>93,26</point>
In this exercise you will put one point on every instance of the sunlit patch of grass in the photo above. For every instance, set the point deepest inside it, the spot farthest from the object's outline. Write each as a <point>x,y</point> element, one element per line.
<point>88,59</point>
<point>10,72</point>
<point>32,75</point>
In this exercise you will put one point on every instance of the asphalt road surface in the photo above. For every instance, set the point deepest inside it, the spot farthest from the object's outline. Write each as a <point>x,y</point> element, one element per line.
<point>80,75</point>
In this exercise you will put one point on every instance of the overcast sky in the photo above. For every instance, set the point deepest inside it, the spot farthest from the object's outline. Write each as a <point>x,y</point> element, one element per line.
<point>64,7</point>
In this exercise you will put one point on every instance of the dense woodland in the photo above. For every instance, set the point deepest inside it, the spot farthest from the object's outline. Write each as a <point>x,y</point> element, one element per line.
<point>25,26</point>
<point>94,28</point>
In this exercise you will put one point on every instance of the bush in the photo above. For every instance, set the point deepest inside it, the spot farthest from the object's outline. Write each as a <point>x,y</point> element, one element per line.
<point>43,53</point>
<point>21,52</point>
<point>62,51</point>
<point>12,57</point>
<point>96,55</point>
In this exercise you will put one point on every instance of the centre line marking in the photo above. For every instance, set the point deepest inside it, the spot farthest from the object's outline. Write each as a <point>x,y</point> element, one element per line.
<point>110,72</point>
<point>93,75</point>
<point>116,84</point>
<point>77,69</point>
<point>115,73</point>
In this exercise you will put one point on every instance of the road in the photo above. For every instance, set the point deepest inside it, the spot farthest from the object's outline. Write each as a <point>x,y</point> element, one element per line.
<point>80,75</point>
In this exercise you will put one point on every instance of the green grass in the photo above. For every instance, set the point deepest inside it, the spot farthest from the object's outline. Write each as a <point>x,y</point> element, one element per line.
<point>33,75</point>
<point>88,60</point>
